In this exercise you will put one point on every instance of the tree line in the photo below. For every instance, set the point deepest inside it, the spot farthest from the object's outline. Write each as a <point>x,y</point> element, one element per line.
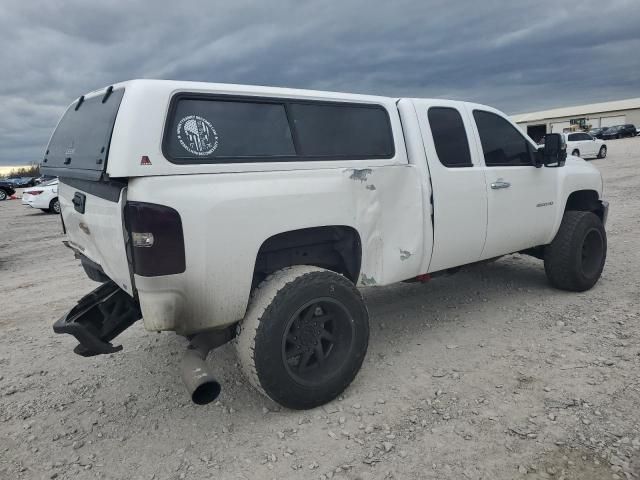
<point>26,171</point>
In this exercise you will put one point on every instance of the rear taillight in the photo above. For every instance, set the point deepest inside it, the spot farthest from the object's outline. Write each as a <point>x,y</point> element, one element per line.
<point>156,241</point>
<point>34,192</point>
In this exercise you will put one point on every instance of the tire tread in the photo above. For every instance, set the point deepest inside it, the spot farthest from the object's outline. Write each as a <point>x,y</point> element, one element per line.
<point>261,299</point>
<point>268,297</point>
<point>558,260</point>
<point>603,148</point>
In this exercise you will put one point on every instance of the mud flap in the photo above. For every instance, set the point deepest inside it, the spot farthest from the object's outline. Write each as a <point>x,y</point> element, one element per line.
<point>98,318</point>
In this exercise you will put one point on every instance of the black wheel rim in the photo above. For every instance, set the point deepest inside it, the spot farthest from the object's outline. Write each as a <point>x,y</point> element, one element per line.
<point>318,341</point>
<point>592,251</point>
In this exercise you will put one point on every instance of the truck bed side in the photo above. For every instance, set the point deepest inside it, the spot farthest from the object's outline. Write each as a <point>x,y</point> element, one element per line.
<point>227,217</point>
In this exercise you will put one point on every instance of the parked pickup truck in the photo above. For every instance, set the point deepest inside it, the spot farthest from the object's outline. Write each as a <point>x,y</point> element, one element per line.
<point>252,214</point>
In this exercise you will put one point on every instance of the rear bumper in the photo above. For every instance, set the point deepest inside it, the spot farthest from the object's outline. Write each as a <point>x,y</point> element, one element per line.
<point>98,318</point>
<point>35,201</point>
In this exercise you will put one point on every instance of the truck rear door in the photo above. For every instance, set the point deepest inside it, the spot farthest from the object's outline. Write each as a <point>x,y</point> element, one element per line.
<point>458,183</point>
<point>91,203</point>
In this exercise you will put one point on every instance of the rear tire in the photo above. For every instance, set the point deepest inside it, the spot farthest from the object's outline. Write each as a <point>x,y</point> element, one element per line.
<point>54,206</point>
<point>304,337</point>
<point>3,195</point>
<point>575,258</point>
<point>602,153</point>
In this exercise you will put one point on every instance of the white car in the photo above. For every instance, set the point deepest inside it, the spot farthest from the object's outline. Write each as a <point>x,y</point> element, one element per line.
<point>583,145</point>
<point>43,196</point>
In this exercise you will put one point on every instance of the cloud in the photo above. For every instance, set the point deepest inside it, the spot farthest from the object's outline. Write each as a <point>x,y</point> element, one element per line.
<point>516,56</point>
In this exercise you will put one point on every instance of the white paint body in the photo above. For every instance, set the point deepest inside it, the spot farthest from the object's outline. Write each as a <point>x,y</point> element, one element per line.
<point>229,210</point>
<point>49,191</point>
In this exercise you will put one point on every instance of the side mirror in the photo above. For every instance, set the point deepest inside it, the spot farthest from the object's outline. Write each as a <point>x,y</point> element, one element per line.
<point>554,153</point>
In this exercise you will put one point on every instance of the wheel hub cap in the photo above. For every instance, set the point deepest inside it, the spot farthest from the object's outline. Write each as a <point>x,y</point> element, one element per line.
<point>309,335</point>
<point>318,341</point>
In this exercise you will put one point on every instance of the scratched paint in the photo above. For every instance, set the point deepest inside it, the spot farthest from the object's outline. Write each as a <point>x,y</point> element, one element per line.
<point>404,254</point>
<point>367,281</point>
<point>360,174</point>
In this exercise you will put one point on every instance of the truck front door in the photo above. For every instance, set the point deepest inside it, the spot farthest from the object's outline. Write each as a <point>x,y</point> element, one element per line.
<point>522,199</point>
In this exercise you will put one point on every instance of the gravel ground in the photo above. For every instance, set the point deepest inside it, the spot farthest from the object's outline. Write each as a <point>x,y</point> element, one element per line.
<point>487,374</point>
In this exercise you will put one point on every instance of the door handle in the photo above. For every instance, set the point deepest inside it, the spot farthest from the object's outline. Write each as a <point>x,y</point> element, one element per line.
<point>498,184</point>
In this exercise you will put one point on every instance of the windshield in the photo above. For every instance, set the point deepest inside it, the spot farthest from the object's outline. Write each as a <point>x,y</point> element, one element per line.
<point>80,144</point>
<point>50,182</point>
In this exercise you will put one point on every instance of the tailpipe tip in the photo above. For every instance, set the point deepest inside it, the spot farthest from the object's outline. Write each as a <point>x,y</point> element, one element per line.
<point>206,393</point>
<point>201,385</point>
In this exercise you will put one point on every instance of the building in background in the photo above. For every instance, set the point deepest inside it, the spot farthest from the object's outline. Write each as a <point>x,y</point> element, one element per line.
<point>579,118</point>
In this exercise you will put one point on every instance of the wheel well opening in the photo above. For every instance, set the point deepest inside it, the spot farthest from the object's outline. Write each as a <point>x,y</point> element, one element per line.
<point>335,248</point>
<point>585,201</point>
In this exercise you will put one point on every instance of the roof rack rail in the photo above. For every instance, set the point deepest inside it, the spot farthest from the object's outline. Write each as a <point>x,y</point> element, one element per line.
<point>108,93</point>
<point>80,100</point>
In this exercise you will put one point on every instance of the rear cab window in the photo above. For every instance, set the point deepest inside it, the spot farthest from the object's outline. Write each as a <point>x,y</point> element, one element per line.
<point>213,128</point>
<point>449,137</point>
<point>79,146</point>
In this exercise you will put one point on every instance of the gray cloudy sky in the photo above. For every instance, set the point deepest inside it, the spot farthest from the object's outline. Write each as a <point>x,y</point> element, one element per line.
<point>515,55</point>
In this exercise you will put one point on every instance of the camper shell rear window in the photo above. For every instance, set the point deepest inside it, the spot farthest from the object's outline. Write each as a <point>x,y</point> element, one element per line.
<point>226,129</point>
<point>79,147</point>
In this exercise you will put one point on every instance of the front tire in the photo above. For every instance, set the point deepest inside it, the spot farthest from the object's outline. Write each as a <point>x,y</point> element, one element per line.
<point>602,153</point>
<point>575,258</point>
<point>3,195</point>
<point>576,153</point>
<point>304,337</point>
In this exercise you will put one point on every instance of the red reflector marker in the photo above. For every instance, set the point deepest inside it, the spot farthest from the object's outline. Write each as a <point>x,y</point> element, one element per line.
<point>145,160</point>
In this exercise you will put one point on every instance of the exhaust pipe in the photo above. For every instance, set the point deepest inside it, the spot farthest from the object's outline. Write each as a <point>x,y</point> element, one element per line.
<point>201,385</point>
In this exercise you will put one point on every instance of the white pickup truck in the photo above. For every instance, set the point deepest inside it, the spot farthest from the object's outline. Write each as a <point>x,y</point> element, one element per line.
<point>251,214</point>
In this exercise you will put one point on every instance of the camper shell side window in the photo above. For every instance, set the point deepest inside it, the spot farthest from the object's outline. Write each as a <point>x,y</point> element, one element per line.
<point>209,128</point>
